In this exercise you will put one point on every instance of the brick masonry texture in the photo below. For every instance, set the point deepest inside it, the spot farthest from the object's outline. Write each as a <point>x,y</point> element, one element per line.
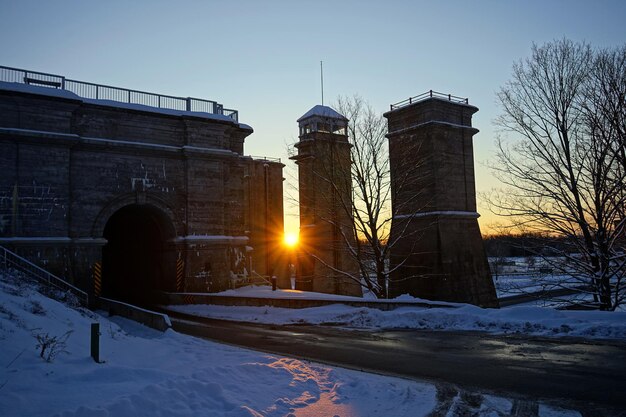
<point>439,253</point>
<point>68,165</point>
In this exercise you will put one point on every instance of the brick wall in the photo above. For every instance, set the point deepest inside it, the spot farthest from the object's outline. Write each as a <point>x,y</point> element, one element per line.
<point>67,165</point>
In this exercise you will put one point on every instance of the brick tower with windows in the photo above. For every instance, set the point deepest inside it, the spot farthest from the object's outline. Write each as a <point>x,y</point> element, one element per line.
<point>325,191</point>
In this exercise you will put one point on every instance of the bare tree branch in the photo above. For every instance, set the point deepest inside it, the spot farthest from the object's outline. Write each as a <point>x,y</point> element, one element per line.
<point>562,162</point>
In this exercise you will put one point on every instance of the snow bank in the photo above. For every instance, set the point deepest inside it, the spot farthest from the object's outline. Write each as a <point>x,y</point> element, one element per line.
<point>537,321</point>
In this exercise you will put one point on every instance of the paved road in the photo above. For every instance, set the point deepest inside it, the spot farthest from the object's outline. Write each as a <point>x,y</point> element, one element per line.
<point>586,375</point>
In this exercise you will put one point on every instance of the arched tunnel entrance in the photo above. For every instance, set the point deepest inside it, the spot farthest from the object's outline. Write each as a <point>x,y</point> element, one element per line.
<point>136,262</point>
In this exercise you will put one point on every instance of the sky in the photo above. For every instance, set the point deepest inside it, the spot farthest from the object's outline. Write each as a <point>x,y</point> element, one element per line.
<point>263,57</point>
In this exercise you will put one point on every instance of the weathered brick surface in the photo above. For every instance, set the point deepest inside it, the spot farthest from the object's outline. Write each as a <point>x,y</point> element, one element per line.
<point>95,121</point>
<point>442,259</point>
<point>67,166</point>
<point>36,176</point>
<point>440,253</point>
<point>263,188</point>
<point>41,113</point>
<point>434,170</point>
<point>325,190</point>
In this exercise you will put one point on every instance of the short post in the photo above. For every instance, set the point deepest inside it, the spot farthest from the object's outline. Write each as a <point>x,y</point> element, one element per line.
<point>273,283</point>
<point>95,342</point>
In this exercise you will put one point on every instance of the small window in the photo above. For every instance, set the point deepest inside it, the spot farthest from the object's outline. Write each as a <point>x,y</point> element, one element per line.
<point>339,130</point>
<point>323,127</point>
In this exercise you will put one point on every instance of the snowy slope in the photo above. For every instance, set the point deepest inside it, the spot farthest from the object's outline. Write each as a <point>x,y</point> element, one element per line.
<point>148,373</point>
<point>518,319</point>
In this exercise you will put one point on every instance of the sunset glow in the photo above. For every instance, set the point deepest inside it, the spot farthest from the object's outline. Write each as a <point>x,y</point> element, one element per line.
<point>291,239</point>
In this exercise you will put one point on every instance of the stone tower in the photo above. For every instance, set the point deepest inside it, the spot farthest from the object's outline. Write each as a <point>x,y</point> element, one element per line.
<point>325,188</point>
<point>440,253</point>
<point>264,224</point>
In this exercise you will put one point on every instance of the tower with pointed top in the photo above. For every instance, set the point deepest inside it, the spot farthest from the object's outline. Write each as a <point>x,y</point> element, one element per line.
<point>325,191</point>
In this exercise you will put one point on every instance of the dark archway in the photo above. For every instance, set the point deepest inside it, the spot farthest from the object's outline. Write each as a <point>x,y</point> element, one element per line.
<point>136,262</point>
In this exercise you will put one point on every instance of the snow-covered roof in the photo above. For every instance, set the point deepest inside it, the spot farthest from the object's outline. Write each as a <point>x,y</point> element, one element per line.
<point>322,111</point>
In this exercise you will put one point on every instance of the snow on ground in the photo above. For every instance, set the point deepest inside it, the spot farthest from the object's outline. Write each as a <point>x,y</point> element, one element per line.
<point>264,291</point>
<point>516,319</point>
<point>518,275</point>
<point>148,373</point>
<point>516,284</point>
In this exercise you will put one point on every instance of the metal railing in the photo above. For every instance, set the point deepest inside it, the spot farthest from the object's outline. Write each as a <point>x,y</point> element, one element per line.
<point>264,158</point>
<point>427,95</point>
<point>265,278</point>
<point>12,260</point>
<point>107,92</point>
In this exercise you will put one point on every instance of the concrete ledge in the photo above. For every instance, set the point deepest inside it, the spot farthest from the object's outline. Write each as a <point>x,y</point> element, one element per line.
<point>227,300</point>
<point>149,318</point>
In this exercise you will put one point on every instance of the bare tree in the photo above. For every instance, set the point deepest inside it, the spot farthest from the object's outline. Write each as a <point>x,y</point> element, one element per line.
<point>604,104</point>
<point>364,225</point>
<point>561,164</point>
<point>371,194</point>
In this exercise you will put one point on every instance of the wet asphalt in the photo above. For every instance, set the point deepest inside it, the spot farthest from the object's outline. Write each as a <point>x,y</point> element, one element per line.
<point>587,375</point>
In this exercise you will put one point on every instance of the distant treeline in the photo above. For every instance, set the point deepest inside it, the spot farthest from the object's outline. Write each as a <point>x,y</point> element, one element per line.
<point>524,245</point>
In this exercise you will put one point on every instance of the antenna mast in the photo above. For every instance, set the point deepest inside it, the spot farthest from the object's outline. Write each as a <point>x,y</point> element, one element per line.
<point>322,79</point>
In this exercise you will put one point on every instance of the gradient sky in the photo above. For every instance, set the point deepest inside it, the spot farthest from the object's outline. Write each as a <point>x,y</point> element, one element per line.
<point>262,57</point>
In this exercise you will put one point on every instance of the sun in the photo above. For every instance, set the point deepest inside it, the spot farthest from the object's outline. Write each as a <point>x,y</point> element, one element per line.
<point>291,239</point>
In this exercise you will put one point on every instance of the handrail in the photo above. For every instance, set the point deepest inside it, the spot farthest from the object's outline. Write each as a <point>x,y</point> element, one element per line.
<point>427,95</point>
<point>119,94</point>
<point>13,260</point>
<point>264,158</point>
<point>263,277</point>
